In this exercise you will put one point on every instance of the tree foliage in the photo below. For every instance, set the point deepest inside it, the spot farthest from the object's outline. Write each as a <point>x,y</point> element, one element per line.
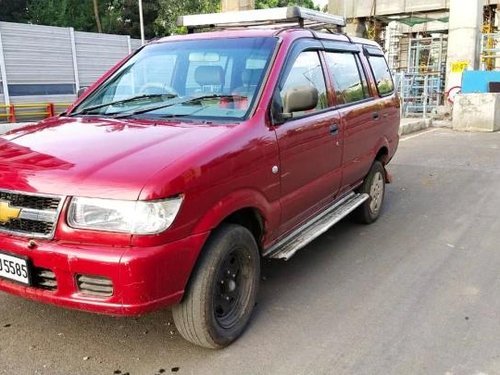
<point>264,4</point>
<point>75,13</point>
<point>13,10</point>
<point>170,10</point>
<point>119,16</point>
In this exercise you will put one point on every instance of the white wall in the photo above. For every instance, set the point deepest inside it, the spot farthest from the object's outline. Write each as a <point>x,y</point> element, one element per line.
<point>56,58</point>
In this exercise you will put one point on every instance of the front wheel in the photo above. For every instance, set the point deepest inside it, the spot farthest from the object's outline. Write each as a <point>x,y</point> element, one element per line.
<point>222,292</point>
<point>374,186</point>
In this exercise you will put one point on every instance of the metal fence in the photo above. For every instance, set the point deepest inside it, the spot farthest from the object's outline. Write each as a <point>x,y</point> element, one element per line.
<point>421,83</point>
<point>45,64</point>
<point>420,94</point>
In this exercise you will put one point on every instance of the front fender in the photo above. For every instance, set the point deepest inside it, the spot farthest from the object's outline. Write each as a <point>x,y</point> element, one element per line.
<point>237,200</point>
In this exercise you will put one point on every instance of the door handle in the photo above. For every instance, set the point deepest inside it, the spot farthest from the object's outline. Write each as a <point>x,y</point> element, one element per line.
<point>334,129</point>
<point>375,115</point>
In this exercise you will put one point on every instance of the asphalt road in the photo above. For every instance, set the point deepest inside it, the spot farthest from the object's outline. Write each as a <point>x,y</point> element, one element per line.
<point>418,292</point>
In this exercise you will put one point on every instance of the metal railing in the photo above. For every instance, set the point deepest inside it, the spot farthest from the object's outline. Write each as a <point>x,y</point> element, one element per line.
<point>30,111</point>
<point>420,94</point>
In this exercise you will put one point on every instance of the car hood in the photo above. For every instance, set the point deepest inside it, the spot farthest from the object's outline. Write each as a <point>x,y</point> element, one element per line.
<point>91,157</point>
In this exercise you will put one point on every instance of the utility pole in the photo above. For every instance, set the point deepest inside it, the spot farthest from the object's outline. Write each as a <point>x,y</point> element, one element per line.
<point>141,21</point>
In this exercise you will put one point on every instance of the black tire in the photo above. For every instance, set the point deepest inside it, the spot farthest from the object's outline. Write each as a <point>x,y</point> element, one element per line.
<point>374,186</point>
<point>222,292</point>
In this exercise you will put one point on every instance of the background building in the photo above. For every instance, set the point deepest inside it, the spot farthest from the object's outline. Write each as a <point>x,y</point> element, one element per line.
<point>428,43</point>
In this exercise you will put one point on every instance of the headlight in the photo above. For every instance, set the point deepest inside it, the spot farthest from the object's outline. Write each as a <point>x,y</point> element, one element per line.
<point>136,217</point>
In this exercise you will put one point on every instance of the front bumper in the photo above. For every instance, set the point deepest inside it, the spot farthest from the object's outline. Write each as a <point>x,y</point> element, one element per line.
<point>144,278</point>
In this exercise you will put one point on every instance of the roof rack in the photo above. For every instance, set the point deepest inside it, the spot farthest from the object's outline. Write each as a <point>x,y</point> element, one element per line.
<point>272,17</point>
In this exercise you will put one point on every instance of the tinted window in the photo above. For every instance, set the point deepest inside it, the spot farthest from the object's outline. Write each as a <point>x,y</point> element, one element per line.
<point>306,71</point>
<point>347,77</point>
<point>382,75</point>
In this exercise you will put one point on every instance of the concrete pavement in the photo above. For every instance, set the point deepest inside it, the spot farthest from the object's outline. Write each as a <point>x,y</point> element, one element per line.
<point>417,292</point>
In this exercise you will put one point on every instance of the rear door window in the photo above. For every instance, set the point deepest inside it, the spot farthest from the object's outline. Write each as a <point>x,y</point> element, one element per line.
<point>347,76</point>
<point>382,75</point>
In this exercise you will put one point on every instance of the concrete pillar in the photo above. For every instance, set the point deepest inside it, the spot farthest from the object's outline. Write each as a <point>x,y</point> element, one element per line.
<point>234,5</point>
<point>466,19</point>
<point>357,27</point>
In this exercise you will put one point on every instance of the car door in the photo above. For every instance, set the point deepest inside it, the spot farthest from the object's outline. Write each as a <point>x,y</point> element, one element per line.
<point>309,141</point>
<point>388,101</point>
<point>358,110</point>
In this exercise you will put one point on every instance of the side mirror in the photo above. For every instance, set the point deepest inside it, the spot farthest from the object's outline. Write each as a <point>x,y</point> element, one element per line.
<point>299,99</point>
<point>81,90</point>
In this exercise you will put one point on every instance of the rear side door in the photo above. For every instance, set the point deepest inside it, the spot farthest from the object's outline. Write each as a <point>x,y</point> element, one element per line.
<point>309,142</point>
<point>358,110</point>
<point>388,101</point>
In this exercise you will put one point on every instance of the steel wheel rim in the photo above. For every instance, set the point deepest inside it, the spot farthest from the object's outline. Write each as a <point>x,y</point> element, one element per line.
<point>376,192</point>
<point>232,284</point>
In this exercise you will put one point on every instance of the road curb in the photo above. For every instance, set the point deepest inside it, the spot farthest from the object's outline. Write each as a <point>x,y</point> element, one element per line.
<point>409,126</point>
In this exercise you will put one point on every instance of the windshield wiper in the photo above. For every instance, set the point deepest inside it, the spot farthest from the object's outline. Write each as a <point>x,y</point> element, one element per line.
<point>193,99</point>
<point>196,99</point>
<point>122,101</point>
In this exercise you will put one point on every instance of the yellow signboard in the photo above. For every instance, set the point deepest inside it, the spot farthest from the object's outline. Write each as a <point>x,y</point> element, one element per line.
<point>459,66</point>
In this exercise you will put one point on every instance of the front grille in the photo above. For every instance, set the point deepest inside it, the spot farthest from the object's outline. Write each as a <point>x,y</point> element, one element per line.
<point>44,279</point>
<point>28,226</point>
<point>96,286</point>
<point>38,215</point>
<point>30,201</point>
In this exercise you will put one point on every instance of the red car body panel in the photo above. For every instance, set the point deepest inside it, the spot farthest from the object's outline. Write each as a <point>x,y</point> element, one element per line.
<point>144,278</point>
<point>219,169</point>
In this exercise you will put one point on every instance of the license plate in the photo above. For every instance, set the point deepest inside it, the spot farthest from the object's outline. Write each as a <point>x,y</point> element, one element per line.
<point>14,268</point>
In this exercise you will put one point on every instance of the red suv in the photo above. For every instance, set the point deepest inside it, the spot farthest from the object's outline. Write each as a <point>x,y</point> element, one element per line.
<point>189,161</point>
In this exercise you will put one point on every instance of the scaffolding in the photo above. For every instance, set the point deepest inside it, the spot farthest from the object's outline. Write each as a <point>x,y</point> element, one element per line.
<point>393,38</point>
<point>420,93</point>
<point>422,86</point>
<point>489,40</point>
<point>490,51</point>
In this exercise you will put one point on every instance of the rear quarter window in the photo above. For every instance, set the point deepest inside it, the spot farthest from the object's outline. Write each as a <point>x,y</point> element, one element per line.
<point>382,74</point>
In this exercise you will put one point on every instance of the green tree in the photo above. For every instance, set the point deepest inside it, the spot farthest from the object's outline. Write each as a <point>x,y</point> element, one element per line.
<point>122,17</point>
<point>264,4</point>
<point>119,16</point>
<point>13,10</point>
<point>171,10</point>
<point>65,13</point>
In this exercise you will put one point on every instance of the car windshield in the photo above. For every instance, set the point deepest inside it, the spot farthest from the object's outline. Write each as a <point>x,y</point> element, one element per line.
<point>201,79</point>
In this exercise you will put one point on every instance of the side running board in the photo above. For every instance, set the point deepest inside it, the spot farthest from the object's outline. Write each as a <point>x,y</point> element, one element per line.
<point>288,246</point>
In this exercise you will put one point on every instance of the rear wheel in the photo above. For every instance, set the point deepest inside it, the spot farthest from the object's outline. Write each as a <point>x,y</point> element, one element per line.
<point>374,186</point>
<point>222,293</point>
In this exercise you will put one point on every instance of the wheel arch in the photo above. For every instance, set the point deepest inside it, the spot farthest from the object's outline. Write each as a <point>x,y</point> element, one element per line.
<point>383,155</point>
<point>250,218</point>
<point>248,208</point>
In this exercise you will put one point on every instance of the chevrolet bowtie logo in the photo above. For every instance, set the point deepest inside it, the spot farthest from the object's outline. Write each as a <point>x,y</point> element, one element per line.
<point>7,212</point>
